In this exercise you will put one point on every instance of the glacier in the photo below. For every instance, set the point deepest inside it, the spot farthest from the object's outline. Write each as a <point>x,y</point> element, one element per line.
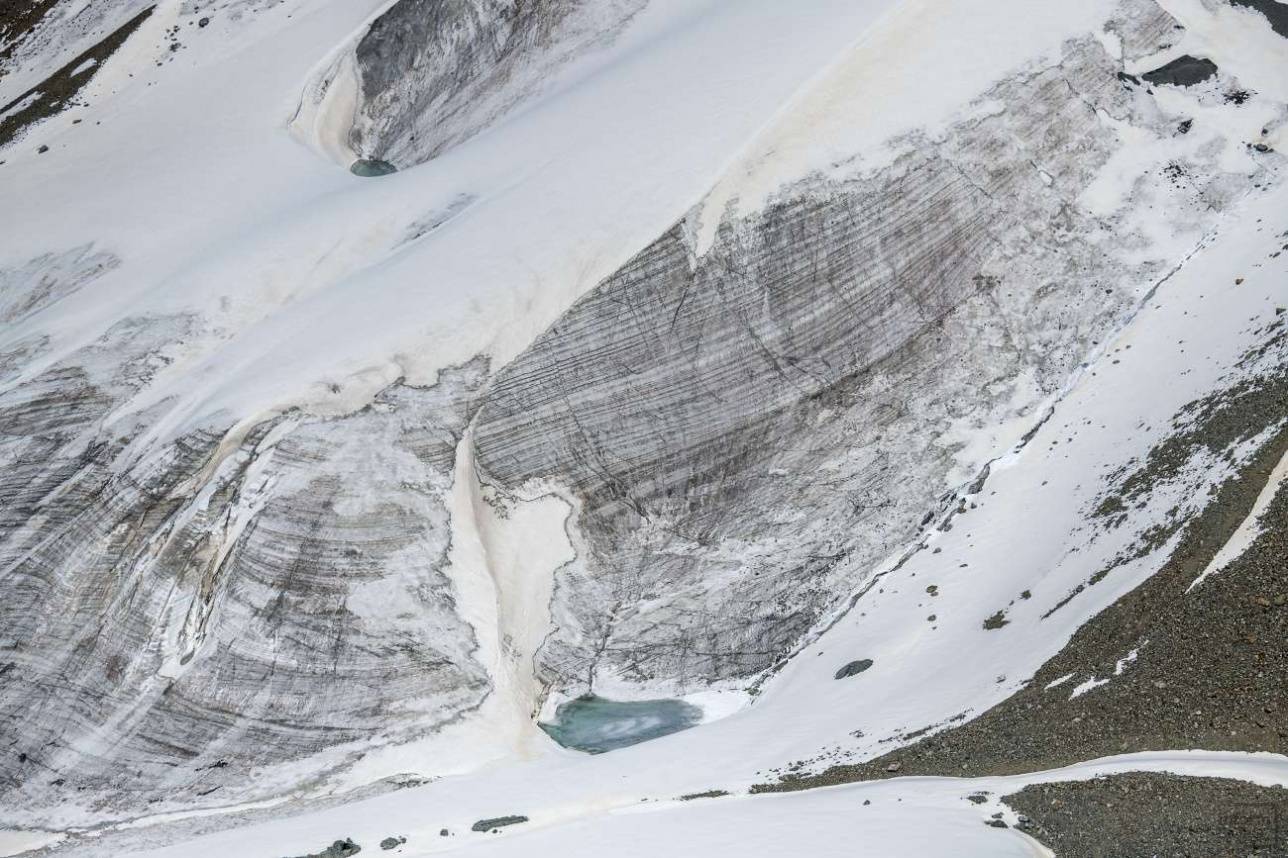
<point>382,379</point>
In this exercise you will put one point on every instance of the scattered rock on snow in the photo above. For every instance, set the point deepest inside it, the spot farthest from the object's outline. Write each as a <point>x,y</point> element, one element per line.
<point>996,621</point>
<point>497,822</point>
<point>339,849</point>
<point>854,668</point>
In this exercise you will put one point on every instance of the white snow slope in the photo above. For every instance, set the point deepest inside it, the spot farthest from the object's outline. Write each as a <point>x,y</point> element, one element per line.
<point>312,295</point>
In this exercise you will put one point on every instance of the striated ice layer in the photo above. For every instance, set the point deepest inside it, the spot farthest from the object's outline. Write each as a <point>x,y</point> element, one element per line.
<point>754,428</point>
<point>245,598</point>
<point>757,407</point>
<point>433,73</point>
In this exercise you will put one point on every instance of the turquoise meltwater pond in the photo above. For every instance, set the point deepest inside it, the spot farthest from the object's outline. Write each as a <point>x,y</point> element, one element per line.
<point>596,725</point>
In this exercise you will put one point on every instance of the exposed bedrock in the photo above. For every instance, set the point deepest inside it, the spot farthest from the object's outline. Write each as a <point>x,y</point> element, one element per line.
<point>753,429</point>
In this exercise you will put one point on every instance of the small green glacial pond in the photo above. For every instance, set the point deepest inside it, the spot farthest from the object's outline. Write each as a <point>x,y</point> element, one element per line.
<point>596,725</point>
<point>371,167</point>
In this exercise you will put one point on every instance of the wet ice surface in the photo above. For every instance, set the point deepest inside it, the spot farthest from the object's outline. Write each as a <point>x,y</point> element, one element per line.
<point>596,725</point>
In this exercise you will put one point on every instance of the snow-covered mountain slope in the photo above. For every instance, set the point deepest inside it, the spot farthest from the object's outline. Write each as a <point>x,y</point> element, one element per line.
<point>877,377</point>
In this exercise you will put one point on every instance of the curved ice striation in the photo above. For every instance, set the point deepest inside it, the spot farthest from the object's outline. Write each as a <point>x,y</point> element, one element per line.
<point>277,590</point>
<point>753,429</point>
<point>427,75</point>
<point>748,410</point>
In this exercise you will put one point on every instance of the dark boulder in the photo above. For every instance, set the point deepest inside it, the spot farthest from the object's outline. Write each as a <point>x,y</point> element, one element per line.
<point>854,668</point>
<point>497,822</point>
<point>1182,71</point>
<point>339,849</point>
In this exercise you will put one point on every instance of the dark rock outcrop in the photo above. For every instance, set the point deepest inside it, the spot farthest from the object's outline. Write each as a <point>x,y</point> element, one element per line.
<point>339,849</point>
<point>1276,13</point>
<point>1182,71</point>
<point>854,668</point>
<point>497,822</point>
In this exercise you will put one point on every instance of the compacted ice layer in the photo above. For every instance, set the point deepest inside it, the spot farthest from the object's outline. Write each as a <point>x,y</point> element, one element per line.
<point>301,531</point>
<point>596,725</point>
<point>752,429</point>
